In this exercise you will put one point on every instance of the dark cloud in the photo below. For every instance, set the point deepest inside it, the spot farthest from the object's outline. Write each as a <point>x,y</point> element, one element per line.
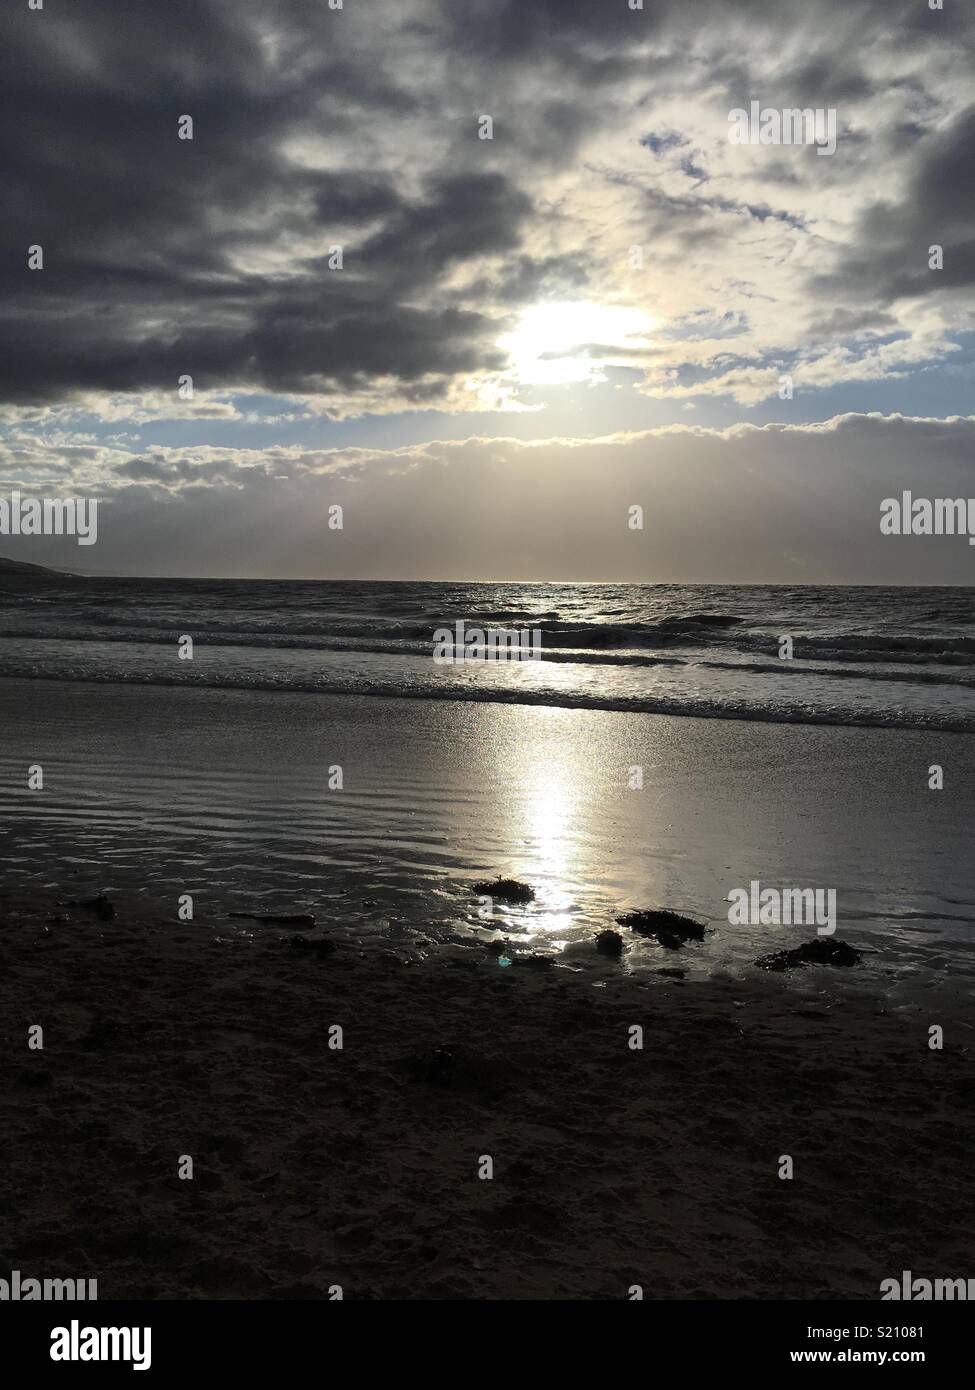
<point>851,323</point>
<point>891,244</point>
<point>466,216</point>
<point>357,127</point>
<point>589,38</point>
<point>149,240</point>
<point>524,279</point>
<point>944,187</point>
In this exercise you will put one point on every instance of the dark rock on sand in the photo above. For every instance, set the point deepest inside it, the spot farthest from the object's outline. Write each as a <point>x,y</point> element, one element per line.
<point>507,890</point>
<point>303,920</point>
<point>672,974</point>
<point>670,929</point>
<point>99,905</point>
<point>609,943</point>
<point>820,951</point>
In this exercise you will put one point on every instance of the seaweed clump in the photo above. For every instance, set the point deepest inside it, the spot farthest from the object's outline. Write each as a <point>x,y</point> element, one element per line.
<point>506,890</point>
<point>669,928</point>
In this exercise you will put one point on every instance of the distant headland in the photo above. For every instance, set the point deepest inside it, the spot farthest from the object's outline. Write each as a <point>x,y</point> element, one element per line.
<point>16,569</point>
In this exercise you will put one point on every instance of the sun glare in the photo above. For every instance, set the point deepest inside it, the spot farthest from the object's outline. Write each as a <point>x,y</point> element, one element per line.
<point>556,344</point>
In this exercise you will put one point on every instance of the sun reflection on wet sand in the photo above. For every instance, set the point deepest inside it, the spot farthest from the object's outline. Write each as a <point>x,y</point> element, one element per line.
<point>547,811</point>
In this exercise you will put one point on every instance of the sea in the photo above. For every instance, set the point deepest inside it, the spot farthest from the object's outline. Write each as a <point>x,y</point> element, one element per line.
<point>902,657</point>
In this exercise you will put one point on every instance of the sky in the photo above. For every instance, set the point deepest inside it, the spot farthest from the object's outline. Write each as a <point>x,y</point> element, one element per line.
<point>485,351</point>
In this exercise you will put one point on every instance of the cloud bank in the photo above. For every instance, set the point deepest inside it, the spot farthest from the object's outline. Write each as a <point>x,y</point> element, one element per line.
<point>785,504</point>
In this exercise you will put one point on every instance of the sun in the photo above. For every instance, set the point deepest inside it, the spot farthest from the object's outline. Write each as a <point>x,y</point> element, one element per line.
<point>557,344</point>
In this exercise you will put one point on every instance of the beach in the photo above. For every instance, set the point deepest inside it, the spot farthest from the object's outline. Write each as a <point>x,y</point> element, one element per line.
<point>358,1168</point>
<point>464,1036</point>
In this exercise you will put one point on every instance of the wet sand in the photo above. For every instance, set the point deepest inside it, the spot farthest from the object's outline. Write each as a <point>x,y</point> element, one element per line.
<point>150,793</point>
<point>315,1167</point>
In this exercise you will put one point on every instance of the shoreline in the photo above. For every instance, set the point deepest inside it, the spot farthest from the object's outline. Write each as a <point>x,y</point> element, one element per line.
<point>315,1166</point>
<point>648,706</point>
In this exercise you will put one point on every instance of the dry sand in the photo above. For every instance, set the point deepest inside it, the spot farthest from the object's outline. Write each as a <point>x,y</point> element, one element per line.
<point>612,1167</point>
